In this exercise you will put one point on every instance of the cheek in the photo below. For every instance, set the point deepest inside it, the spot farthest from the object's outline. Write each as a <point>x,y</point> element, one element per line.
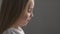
<point>28,14</point>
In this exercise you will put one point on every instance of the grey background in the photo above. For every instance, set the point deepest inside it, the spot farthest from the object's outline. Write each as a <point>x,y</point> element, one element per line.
<point>46,18</point>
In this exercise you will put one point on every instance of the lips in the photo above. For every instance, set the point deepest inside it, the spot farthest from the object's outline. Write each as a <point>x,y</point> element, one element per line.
<point>29,19</point>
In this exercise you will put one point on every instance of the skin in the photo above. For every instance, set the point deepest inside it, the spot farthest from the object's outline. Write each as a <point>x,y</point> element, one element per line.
<point>27,15</point>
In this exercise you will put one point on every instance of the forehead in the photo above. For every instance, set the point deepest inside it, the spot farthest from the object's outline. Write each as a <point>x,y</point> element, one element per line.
<point>31,3</point>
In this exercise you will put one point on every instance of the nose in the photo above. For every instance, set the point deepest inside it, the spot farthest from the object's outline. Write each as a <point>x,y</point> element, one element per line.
<point>31,15</point>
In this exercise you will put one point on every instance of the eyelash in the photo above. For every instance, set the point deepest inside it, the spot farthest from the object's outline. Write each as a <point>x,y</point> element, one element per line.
<point>30,10</point>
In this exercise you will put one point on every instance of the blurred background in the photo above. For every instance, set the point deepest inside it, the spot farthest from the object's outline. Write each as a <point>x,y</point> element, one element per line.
<point>46,18</point>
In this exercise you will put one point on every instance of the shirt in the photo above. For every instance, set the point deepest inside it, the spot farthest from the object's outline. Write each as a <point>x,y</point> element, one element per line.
<point>14,31</point>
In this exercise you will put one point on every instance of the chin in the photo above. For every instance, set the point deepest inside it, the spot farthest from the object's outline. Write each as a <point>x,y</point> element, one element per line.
<point>26,23</point>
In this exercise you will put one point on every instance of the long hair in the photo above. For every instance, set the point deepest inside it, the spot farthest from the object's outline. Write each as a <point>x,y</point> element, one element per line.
<point>9,12</point>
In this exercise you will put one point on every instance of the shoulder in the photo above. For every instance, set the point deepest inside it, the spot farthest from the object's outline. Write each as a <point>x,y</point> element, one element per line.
<point>13,31</point>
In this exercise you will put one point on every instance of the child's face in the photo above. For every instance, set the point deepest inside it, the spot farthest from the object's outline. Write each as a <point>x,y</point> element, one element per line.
<point>29,14</point>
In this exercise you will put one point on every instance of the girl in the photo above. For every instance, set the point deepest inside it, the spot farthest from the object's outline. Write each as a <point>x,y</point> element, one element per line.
<point>15,14</point>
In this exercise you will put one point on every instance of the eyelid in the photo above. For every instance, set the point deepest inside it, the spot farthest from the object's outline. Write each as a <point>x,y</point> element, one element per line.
<point>30,10</point>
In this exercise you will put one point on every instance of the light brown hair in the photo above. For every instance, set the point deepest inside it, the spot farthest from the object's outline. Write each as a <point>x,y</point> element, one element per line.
<point>10,11</point>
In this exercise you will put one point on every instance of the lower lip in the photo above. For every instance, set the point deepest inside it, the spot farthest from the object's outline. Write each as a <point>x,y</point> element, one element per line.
<point>27,20</point>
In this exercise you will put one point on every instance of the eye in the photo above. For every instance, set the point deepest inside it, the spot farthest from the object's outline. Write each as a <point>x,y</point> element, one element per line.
<point>30,10</point>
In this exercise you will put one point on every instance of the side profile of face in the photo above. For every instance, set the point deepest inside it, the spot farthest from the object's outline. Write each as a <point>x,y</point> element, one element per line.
<point>24,20</point>
<point>29,12</point>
